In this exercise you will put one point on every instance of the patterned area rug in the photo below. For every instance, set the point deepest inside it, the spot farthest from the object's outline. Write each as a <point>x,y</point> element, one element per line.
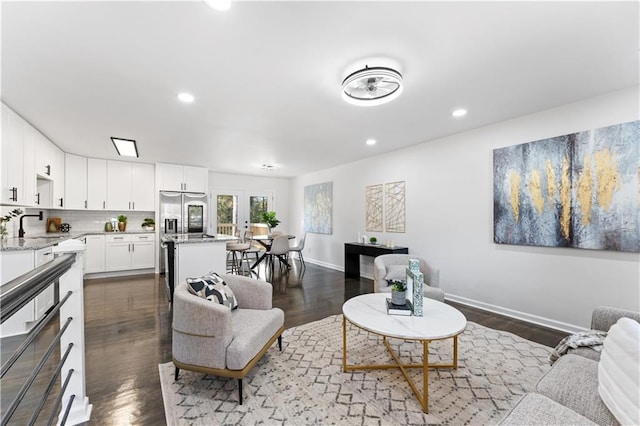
<point>304,384</point>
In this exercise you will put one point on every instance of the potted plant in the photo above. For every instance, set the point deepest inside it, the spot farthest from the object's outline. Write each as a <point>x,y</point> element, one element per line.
<point>398,292</point>
<point>373,240</point>
<point>122,223</point>
<point>149,224</point>
<point>269,218</point>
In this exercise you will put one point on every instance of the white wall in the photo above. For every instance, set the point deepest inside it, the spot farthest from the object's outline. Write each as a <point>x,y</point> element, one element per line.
<point>449,202</point>
<point>278,186</point>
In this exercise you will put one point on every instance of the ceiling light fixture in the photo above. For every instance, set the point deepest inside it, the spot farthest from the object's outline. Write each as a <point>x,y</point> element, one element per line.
<point>461,112</point>
<point>221,5</point>
<point>186,97</point>
<point>372,86</point>
<point>371,142</point>
<point>268,166</point>
<point>125,147</point>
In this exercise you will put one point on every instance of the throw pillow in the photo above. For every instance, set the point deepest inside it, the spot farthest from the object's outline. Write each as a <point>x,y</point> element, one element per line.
<point>213,288</point>
<point>619,371</point>
<point>396,273</point>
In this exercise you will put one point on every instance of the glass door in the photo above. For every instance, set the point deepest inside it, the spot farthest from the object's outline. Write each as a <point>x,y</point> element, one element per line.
<point>240,211</point>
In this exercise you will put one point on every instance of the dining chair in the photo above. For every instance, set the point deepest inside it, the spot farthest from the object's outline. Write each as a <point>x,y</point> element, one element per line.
<point>297,248</point>
<point>279,250</point>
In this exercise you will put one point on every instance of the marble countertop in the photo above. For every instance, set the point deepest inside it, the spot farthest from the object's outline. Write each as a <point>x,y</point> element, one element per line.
<point>197,238</point>
<point>36,242</point>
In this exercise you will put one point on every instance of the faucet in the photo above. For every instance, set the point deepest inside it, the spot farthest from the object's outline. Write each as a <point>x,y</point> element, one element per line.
<point>21,230</point>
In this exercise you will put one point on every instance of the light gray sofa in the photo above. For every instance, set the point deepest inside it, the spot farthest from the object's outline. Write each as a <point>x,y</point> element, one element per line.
<point>392,266</point>
<point>213,339</point>
<point>568,393</point>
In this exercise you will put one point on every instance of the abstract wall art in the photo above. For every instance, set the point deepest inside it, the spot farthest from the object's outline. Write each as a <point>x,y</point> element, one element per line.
<point>395,206</point>
<point>318,207</point>
<point>580,190</point>
<point>374,198</point>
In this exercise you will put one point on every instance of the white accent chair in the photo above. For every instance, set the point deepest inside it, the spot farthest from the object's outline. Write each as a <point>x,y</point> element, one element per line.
<point>393,267</point>
<point>297,248</point>
<point>210,338</point>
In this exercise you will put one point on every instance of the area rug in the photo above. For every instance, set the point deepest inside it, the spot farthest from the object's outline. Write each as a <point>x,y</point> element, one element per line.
<point>304,384</point>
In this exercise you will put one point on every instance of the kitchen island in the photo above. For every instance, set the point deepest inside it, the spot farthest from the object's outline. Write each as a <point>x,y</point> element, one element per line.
<point>193,255</point>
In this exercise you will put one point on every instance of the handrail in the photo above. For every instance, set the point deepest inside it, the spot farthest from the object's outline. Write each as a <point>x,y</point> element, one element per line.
<point>20,291</point>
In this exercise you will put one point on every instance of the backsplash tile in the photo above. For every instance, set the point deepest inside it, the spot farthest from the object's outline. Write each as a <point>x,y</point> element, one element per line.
<point>80,220</point>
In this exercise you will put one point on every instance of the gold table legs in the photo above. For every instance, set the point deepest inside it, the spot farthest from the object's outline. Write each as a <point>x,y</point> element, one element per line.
<point>422,398</point>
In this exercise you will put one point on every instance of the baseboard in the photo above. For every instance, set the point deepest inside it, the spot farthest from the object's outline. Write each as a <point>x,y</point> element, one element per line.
<point>325,264</point>
<point>115,274</point>
<point>522,316</point>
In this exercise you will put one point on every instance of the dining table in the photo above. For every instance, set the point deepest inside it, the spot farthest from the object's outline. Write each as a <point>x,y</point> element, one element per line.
<point>266,241</point>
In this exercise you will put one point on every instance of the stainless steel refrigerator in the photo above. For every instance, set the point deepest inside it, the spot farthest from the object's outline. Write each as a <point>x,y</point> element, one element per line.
<point>181,213</point>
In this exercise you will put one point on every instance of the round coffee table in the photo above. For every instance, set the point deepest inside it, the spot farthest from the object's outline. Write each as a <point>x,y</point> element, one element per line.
<point>440,321</point>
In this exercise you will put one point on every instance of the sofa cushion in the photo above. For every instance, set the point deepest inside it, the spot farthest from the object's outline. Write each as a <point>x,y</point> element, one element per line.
<point>573,382</point>
<point>251,330</point>
<point>619,371</point>
<point>396,273</point>
<point>213,288</point>
<point>536,409</point>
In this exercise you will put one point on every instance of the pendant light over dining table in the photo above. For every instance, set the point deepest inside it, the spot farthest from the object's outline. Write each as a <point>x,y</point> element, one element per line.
<point>372,86</point>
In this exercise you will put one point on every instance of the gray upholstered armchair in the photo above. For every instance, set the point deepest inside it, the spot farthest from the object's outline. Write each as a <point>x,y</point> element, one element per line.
<point>393,267</point>
<point>213,339</point>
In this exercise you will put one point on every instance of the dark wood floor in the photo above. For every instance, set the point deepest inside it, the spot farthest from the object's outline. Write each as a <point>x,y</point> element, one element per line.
<point>128,333</point>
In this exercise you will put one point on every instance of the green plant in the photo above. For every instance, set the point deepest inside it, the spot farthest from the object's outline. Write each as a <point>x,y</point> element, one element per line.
<point>122,218</point>
<point>398,285</point>
<point>270,219</point>
<point>373,240</point>
<point>149,221</point>
<point>13,213</point>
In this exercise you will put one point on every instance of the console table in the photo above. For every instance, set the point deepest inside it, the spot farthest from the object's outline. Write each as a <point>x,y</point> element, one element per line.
<point>353,251</point>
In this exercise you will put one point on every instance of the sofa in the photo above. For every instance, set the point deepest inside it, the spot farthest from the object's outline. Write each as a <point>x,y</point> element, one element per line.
<point>570,393</point>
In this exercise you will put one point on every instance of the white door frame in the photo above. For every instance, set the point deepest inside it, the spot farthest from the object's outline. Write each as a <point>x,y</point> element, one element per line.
<point>243,205</point>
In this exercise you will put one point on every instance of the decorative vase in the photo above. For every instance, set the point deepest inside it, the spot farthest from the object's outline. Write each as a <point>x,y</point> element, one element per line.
<point>122,226</point>
<point>398,297</point>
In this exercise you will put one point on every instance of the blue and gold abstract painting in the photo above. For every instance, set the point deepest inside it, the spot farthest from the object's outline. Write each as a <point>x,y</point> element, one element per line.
<point>579,190</point>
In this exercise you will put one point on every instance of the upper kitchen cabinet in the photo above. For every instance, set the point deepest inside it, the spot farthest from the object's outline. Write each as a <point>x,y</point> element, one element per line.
<point>130,186</point>
<point>49,170</point>
<point>174,177</point>
<point>75,183</point>
<point>18,178</point>
<point>96,184</point>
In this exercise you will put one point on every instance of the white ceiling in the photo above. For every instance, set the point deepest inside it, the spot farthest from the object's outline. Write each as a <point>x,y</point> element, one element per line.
<point>267,75</point>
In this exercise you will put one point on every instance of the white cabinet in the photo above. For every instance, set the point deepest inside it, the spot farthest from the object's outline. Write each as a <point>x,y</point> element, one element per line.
<point>49,168</point>
<point>130,186</point>
<point>75,182</point>
<point>12,158</point>
<point>96,184</point>
<point>44,300</point>
<point>57,176</point>
<point>143,251</point>
<point>129,251</point>
<point>94,256</point>
<point>29,173</point>
<point>14,264</point>
<point>174,177</point>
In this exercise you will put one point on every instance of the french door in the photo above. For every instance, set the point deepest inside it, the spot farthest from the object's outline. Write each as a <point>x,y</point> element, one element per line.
<point>239,211</point>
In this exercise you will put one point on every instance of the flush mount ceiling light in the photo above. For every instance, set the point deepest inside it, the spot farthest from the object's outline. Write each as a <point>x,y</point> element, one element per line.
<point>218,4</point>
<point>125,147</point>
<point>268,166</point>
<point>372,86</point>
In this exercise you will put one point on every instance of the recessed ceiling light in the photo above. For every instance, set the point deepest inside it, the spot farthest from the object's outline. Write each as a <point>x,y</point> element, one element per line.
<point>460,112</point>
<point>269,166</point>
<point>186,97</point>
<point>371,142</point>
<point>218,4</point>
<point>125,147</point>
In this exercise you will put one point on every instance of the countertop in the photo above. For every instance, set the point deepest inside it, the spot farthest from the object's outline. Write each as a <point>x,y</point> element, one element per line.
<point>197,238</point>
<point>37,242</point>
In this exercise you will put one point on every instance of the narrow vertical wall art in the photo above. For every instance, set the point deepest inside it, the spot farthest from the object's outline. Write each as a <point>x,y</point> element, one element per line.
<point>374,208</point>
<point>395,206</point>
<point>318,207</point>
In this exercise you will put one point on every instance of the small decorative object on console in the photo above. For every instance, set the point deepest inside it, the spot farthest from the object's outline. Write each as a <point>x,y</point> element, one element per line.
<point>373,240</point>
<point>65,227</point>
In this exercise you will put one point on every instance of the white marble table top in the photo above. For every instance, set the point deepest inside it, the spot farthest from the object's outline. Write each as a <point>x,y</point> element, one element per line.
<point>369,312</point>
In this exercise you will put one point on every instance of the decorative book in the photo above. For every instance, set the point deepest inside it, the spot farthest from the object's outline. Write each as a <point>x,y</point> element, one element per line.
<point>393,309</point>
